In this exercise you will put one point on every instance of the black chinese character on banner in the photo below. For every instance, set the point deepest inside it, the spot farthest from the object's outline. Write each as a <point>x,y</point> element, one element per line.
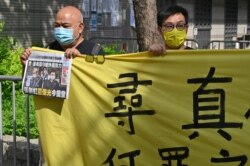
<point>176,154</point>
<point>227,159</point>
<point>130,155</point>
<point>209,106</point>
<point>129,88</point>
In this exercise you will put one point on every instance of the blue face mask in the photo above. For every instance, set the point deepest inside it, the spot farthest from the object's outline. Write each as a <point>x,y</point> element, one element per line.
<point>64,36</point>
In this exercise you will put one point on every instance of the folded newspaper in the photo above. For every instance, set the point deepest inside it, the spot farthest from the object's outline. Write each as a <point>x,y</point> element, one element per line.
<point>47,73</point>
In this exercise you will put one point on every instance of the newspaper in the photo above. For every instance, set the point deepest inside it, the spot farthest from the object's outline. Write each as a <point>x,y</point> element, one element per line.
<point>47,73</point>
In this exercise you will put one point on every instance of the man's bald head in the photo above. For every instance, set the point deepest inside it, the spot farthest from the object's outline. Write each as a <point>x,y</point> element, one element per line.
<point>70,12</point>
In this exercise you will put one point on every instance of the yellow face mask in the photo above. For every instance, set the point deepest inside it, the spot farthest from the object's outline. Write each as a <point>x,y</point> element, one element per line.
<point>175,38</point>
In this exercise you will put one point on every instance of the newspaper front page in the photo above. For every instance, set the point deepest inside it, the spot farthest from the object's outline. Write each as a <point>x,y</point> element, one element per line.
<point>47,73</point>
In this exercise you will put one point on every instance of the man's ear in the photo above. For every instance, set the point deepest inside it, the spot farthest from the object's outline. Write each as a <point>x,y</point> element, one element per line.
<point>187,28</point>
<point>159,30</point>
<point>81,28</point>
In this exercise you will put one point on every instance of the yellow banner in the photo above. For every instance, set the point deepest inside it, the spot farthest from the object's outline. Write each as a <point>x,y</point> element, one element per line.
<point>182,108</point>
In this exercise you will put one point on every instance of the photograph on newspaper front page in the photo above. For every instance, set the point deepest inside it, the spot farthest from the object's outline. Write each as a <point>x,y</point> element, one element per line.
<point>47,74</point>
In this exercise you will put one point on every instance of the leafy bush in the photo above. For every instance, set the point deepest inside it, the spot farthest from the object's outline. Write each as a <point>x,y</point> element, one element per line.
<point>10,65</point>
<point>112,49</point>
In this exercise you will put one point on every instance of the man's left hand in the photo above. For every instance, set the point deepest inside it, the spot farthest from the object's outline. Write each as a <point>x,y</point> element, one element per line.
<point>72,53</point>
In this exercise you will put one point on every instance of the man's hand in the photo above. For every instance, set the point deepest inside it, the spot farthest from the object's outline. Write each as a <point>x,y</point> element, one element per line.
<point>25,55</point>
<point>157,48</point>
<point>72,53</point>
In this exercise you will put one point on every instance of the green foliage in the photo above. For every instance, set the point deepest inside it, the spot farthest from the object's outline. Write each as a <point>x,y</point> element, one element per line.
<point>9,55</point>
<point>10,65</point>
<point>112,49</point>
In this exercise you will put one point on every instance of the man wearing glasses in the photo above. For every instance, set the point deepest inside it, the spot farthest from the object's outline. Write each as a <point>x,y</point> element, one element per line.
<point>172,25</point>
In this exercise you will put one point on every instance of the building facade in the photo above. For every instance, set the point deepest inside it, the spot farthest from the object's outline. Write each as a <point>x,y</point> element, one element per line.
<point>218,20</point>
<point>31,22</point>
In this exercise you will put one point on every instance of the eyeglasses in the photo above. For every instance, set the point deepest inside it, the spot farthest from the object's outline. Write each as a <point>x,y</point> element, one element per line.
<point>169,27</point>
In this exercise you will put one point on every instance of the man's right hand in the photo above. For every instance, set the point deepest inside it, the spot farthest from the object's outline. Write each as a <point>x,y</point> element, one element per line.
<point>25,55</point>
<point>157,48</point>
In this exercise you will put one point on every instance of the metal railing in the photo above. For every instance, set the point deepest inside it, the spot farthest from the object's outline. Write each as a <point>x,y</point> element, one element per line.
<point>130,44</point>
<point>228,44</point>
<point>127,44</point>
<point>192,43</point>
<point>14,80</point>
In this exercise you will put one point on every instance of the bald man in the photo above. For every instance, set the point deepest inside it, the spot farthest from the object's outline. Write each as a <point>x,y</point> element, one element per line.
<point>68,29</point>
